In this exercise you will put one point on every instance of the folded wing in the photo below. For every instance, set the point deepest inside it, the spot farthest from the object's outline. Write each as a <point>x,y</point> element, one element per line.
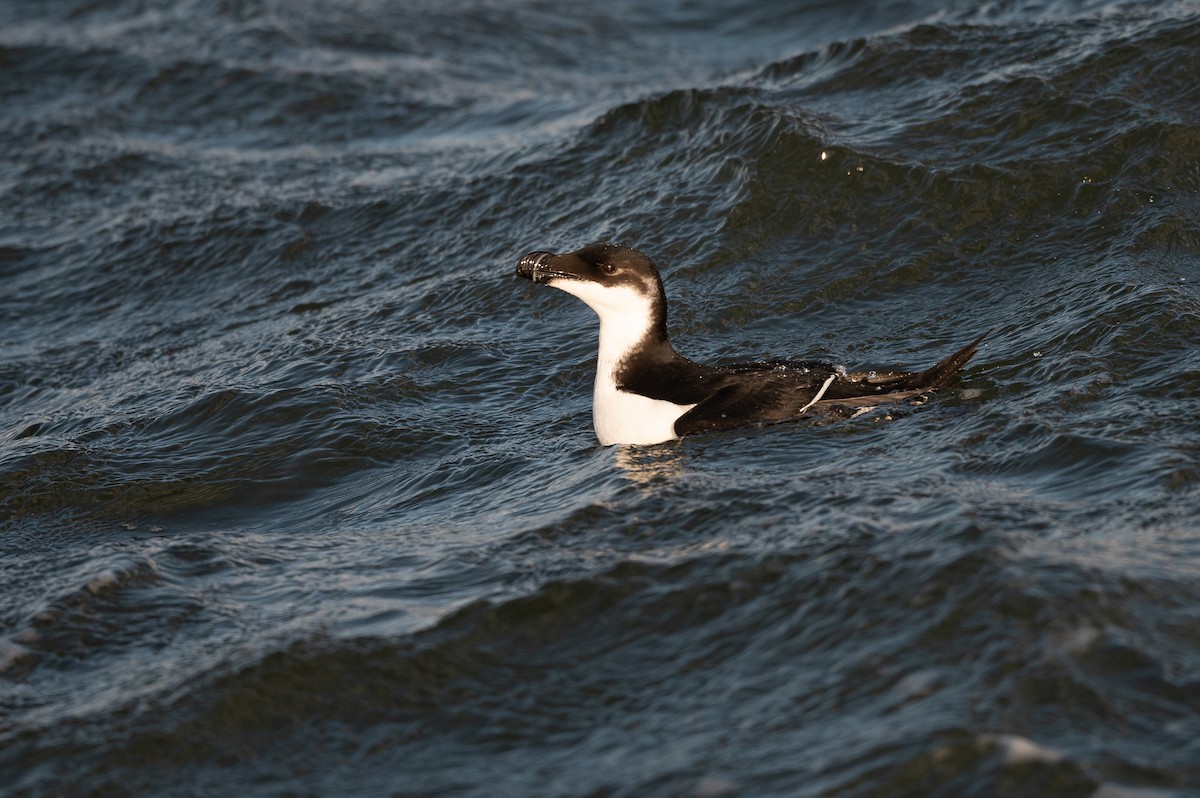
<point>770,392</point>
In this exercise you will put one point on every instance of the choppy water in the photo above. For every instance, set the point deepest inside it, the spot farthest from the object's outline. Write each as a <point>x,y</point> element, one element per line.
<point>298,488</point>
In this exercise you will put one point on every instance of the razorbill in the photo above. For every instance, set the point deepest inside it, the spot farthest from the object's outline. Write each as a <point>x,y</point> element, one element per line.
<point>646,392</point>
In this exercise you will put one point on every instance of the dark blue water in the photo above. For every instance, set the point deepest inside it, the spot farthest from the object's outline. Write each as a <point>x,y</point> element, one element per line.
<point>299,493</point>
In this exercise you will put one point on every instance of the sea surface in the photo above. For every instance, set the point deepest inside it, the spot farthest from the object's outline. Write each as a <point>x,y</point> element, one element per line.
<point>299,493</point>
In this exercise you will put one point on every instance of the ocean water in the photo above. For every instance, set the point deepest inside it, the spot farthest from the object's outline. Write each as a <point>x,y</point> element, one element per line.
<point>299,493</point>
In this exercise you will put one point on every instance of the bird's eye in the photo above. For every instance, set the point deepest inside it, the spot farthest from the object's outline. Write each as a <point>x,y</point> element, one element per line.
<point>608,268</point>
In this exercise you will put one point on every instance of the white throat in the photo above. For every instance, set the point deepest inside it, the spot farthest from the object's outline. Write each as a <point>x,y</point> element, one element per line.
<point>625,319</point>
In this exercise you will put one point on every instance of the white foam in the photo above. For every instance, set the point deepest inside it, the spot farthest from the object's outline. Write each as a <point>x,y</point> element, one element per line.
<point>1019,750</point>
<point>10,653</point>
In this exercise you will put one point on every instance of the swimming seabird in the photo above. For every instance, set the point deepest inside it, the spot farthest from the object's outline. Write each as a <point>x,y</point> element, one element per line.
<point>646,392</point>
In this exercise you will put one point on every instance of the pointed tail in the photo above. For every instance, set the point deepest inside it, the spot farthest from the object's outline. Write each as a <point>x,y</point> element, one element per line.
<point>940,373</point>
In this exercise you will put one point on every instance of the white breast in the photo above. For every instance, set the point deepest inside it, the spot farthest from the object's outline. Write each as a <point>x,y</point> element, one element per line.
<point>622,417</point>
